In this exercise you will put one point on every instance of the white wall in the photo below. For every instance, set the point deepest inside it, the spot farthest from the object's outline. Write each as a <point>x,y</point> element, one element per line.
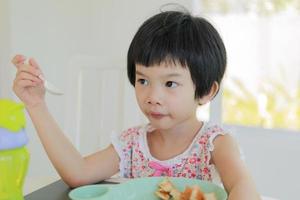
<point>4,48</point>
<point>272,157</point>
<point>52,32</point>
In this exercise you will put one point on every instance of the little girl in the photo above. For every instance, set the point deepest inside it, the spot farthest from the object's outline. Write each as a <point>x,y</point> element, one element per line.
<point>175,63</point>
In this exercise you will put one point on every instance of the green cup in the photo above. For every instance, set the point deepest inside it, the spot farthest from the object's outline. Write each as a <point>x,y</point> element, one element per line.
<point>13,169</point>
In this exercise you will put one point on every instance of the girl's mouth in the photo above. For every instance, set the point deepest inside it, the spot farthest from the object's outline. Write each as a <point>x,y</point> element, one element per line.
<point>155,115</point>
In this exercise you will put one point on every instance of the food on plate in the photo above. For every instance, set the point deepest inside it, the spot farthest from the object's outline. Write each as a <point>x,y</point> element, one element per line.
<point>167,191</point>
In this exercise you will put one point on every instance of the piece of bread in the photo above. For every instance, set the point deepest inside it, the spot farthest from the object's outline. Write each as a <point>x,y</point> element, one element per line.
<point>192,193</point>
<point>163,195</point>
<point>175,194</point>
<point>166,185</point>
<point>166,191</point>
<point>185,195</point>
<point>197,194</point>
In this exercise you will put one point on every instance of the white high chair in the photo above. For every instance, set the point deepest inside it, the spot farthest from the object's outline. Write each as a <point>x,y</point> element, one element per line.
<point>100,100</point>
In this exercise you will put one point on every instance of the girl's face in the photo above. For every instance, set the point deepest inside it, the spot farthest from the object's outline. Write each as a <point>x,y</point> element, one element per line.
<point>165,94</point>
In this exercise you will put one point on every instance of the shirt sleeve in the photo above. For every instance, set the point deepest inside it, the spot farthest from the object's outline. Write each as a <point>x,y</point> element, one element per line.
<point>217,131</point>
<point>120,145</point>
<point>123,142</point>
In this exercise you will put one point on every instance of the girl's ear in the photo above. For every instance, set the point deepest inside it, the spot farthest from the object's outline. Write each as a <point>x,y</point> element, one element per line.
<point>208,97</point>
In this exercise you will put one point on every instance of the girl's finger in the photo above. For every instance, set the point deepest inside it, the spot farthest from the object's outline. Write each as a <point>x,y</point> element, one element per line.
<point>33,63</point>
<point>29,69</point>
<point>18,59</point>
<point>26,83</point>
<point>28,76</point>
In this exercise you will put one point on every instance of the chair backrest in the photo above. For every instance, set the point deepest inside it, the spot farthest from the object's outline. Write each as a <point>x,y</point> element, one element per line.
<point>100,100</point>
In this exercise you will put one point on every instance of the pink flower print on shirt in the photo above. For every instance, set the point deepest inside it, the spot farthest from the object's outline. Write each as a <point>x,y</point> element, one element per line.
<point>192,160</point>
<point>205,158</point>
<point>203,140</point>
<point>205,170</point>
<point>178,165</point>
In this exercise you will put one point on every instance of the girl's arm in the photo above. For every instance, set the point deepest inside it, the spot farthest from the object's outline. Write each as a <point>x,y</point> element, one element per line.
<point>235,177</point>
<point>71,166</point>
<point>74,169</point>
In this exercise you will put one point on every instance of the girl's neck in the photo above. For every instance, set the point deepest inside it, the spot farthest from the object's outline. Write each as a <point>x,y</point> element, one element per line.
<point>166,144</point>
<point>184,130</point>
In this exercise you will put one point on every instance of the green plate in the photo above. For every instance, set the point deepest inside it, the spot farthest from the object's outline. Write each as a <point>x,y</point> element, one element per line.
<point>141,189</point>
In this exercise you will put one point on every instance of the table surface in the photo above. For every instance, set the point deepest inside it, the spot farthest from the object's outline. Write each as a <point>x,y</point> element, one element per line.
<point>54,191</point>
<point>59,191</point>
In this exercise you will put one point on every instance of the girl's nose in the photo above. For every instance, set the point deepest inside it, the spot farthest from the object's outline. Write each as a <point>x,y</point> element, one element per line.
<point>154,97</point>
<point>153,101</point>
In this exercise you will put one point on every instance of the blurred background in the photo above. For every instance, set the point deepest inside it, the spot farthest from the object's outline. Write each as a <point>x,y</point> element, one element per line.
<point>259,101</point>
<point>262,84</point>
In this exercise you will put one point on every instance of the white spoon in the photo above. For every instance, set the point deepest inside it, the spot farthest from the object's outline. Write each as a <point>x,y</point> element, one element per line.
<point>49,86</point>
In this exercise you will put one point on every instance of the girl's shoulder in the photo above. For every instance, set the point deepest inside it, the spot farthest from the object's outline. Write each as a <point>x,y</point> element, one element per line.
<point>130,132</point>
<point>123,141</point>
<point>210,128</point>
<point>210,132</point>
<point>134,133</point>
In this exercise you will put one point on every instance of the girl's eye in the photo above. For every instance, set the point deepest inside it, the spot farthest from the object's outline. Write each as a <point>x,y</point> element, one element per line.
<point>171,84</point>
<point>143,81</point>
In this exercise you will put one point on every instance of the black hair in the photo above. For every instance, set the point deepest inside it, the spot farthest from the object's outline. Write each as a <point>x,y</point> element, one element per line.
<point>181,38</point>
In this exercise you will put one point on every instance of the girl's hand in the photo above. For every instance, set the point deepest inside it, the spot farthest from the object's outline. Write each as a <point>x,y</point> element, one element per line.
<point>27,86</point>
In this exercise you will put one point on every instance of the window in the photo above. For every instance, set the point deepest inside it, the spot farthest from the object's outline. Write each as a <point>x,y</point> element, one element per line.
<point>262,84</point>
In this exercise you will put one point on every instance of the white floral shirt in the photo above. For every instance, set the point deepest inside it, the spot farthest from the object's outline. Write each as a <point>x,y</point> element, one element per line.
<point>136,160</point>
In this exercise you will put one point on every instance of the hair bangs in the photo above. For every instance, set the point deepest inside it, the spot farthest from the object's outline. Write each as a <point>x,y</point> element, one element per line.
<point>160,49</point>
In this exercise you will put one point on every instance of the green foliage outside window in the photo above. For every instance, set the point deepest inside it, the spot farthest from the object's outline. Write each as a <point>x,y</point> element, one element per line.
<point>260,7</point>
<point>280,109</point>
<point>273,104</point>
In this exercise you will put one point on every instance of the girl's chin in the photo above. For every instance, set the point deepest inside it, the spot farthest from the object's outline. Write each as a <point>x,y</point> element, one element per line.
<point>160,125</point>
